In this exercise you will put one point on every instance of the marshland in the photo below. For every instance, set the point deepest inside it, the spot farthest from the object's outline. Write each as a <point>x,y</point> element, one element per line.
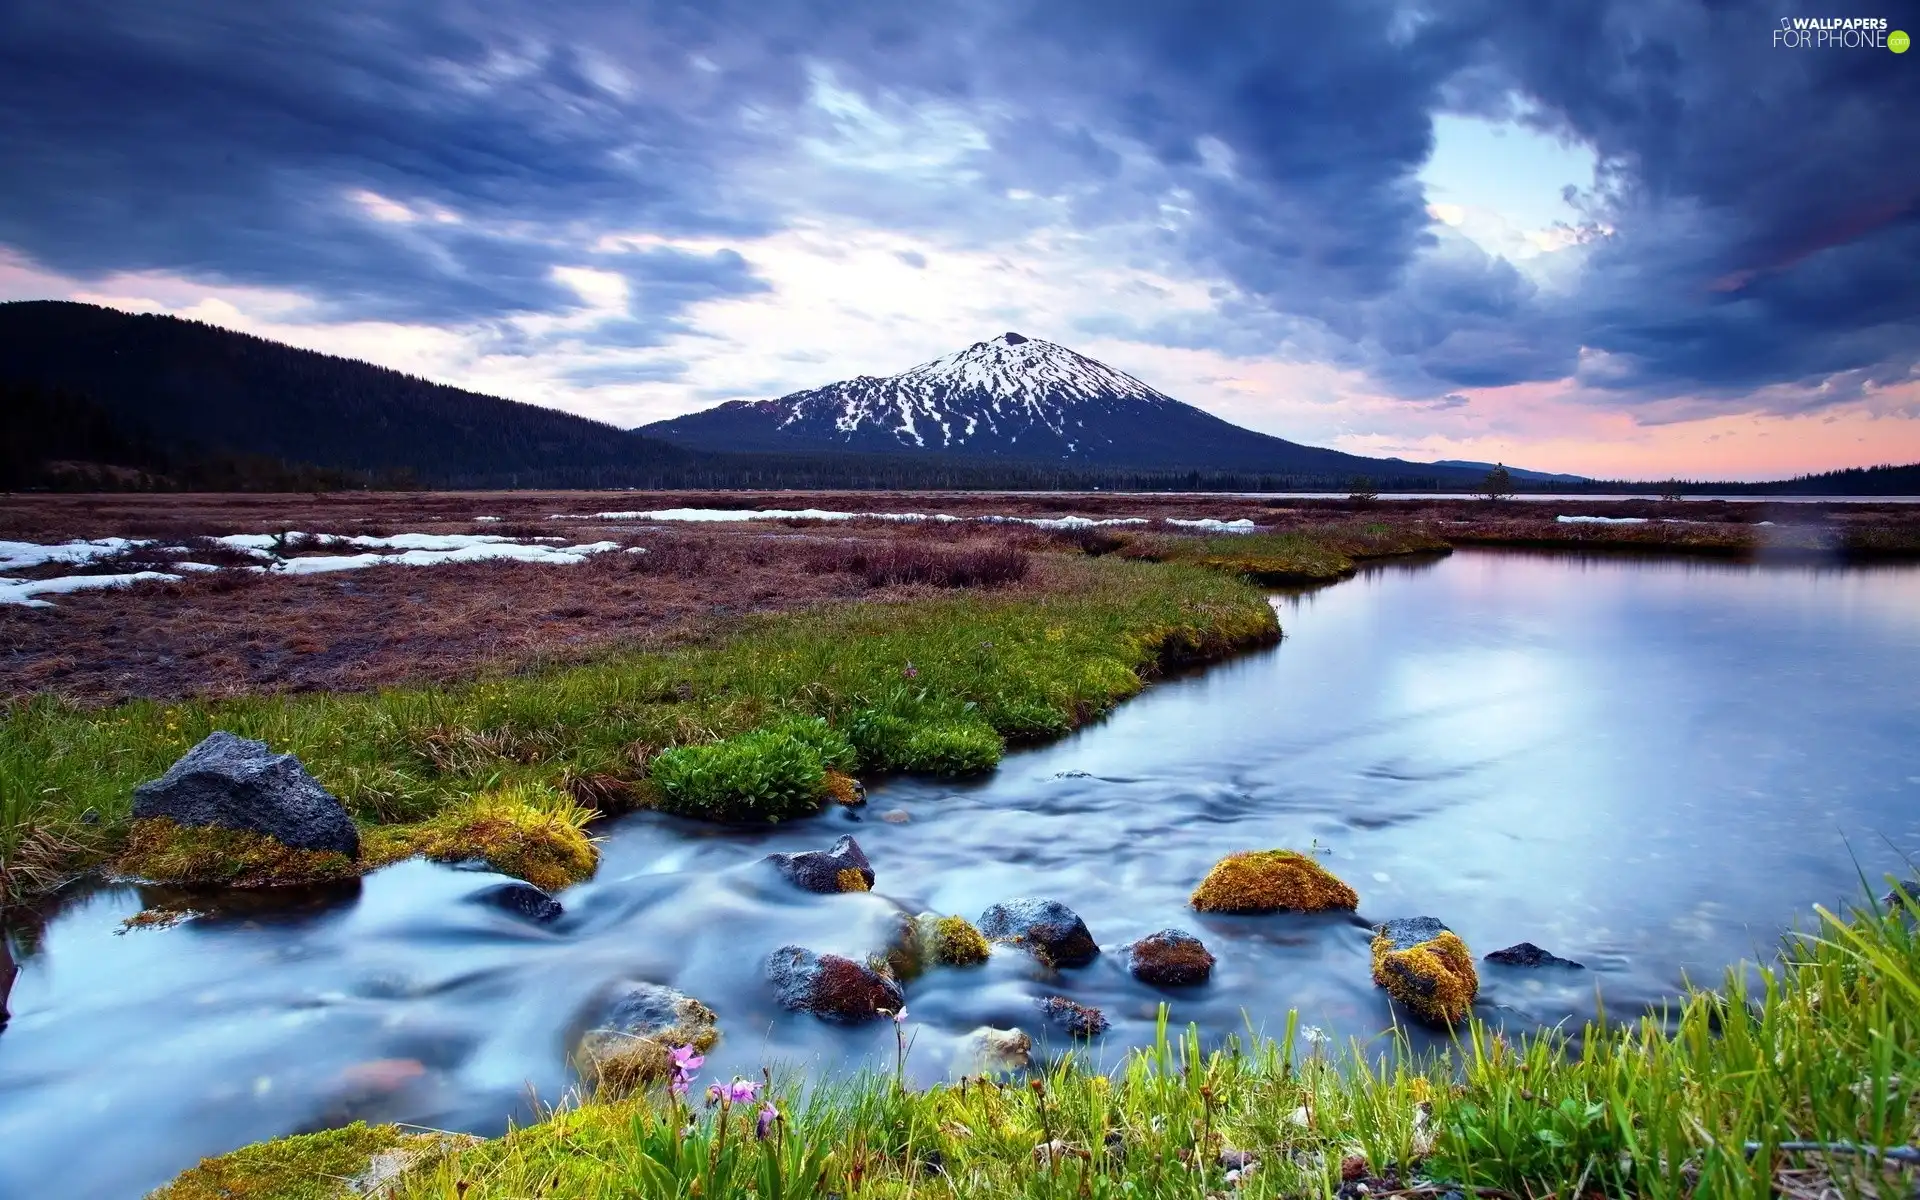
<point>1650,742</point>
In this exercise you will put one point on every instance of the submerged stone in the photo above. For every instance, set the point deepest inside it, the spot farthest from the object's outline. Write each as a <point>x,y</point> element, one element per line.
<point>1048,929</point>
<point>1526,954</point>
<point>237,783</point>
<point>1426,968</point>
<point>520,899</point>
<point>839,868</point>
<point>831,987</point>
<point>990,1050</point>
<point>635,1031</point>
<point>1170,958</point>
<point>1263,881</point>
<point>1079,1020</point>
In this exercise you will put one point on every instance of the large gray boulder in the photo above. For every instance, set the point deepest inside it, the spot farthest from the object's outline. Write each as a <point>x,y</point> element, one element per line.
<point>236,783</point>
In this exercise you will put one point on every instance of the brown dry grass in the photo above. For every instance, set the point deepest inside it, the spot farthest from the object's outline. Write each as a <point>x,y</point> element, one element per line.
<point>232,633</point>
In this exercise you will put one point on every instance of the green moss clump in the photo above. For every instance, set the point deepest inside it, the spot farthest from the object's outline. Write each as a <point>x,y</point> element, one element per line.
<point>528,831</point>
<point>1434,980</point>
<point>766,775</point>
<point>161,851</point>
<point>1260,881</point>
<point>951,941</point>
<point>311,1166</point>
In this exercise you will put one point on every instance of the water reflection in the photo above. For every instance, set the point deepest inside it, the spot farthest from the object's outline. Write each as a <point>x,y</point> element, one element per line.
<point>1649,766</point>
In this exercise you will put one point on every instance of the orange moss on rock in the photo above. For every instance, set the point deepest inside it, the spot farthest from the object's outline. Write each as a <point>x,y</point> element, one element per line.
<point>1434,980</point>
<point>1260,881</point>
<point>844,789</point>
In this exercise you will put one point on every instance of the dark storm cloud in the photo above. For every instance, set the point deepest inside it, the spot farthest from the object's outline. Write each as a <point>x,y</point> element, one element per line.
<point>1764,204</point>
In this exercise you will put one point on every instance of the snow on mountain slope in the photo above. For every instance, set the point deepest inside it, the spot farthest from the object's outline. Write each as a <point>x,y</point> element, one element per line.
<point>1012,397</point>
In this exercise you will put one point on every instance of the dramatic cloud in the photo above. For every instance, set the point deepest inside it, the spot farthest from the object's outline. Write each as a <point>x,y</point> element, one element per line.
<point>642,195</point>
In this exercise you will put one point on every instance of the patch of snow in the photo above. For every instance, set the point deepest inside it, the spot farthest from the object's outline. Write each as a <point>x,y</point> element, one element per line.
<point>1241,526</point>
<point>1069,522</point>
<point>23,591</point>
<point>486,518</point>
<point>430,541</point>
<point>256,541</point>
<point>14,555</point>
<point>192,566</point>
<point>551,555</point>
<point>1601,520</point>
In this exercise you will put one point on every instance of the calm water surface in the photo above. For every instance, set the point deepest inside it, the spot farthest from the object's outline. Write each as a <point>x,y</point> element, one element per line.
<point>1650,766</point>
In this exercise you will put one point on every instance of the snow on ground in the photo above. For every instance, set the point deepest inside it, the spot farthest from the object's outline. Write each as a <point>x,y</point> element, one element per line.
<point>16,555</point>
<point>1218,526</point>
<point>1565,520</point>
<point>314,564</point>
<point>23,591</point>
<point>404,550</point>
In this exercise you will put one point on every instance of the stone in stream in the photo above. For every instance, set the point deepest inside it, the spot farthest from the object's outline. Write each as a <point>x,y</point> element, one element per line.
<point>1426,968</point>
<point>236,783</point>
<point>1908,890</point>
<point>1526,954</point>
<point>990,1050</point>
<point>1170,958</point>
<point>520,899</point>
<point>831,987</point>
<point>1078,1020</point>
<point>839,868</point>
<point>635,1031</point>
<point>1048,929</point>
<point>1265,881</point>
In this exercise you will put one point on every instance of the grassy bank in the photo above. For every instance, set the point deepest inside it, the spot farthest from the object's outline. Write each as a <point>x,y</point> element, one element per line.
<point>1821,1048</point>
<point>759,721</point>
<point>1321,554</point>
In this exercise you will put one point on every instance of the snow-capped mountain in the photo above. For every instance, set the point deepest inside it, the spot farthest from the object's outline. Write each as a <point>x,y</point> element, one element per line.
<point>1012,397</point>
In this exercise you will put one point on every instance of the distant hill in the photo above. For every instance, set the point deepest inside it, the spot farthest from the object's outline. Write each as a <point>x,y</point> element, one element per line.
<point>1018,398</point>
<point>1520,475</point>
<point>193,390</point>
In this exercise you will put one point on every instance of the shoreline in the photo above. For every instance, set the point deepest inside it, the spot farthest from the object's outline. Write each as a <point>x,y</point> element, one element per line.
<point>1254,1093</point>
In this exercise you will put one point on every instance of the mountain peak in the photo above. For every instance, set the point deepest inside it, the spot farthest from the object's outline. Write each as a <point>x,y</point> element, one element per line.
<point>1010,338</point>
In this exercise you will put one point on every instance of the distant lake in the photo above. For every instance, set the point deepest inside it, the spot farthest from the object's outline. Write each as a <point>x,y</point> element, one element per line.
<point>1653,766</point>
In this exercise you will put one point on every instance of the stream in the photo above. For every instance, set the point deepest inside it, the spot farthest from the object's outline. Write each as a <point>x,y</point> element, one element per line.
<point>1652,766</point>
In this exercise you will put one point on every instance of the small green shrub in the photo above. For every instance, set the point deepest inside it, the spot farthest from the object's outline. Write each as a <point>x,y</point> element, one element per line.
<point>835,751</point>
<point>952,748</point>
<point>890,742</point>
<point>766,775</point>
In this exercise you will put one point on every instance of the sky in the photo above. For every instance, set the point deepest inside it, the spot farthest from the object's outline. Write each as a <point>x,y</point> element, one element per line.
<point>1624,239</point>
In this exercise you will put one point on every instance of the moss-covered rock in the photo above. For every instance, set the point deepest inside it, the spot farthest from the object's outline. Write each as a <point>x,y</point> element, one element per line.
<point>359,1160</point>
<point>1048,929</point>
<point>528,831</point>
<point>1262,881</point>
<point>1078,1020</point>
<point>631,1046</point>
<point>831,987</point>
<point>842,867</point>
<point>1426,968</point>
<point>1170,958</point>
<point>950,941</point>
